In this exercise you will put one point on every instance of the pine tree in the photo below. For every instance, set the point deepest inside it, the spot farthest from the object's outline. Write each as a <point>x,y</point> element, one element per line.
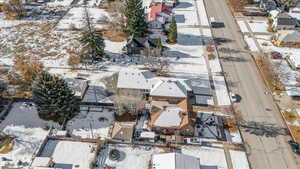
<point>92,41</point>
<point>289,4</point>
<point>172,32</point>
<point>53,97</point>
<point>136,23</point>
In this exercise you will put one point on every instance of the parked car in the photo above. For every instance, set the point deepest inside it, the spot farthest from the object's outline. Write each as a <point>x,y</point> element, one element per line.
<point>276,55</point>
<point>295,147</point>
<point>233,97</point>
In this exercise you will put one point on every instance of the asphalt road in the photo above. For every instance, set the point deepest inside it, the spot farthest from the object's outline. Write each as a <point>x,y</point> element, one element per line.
<point>264,152</point>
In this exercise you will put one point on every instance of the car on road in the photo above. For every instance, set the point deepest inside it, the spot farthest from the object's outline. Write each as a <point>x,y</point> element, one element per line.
<point>276,55</point>
<point>295,147</point>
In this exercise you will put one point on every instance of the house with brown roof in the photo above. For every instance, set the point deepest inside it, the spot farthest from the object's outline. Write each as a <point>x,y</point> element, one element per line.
<point>170,121</point>
<point>123,131</point>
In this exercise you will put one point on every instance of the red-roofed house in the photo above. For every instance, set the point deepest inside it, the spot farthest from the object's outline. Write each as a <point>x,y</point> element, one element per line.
<point>161,13</point>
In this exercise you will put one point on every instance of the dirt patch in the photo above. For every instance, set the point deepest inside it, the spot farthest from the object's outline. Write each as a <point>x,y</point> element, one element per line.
<point>230,124</point>
<point>6,145</point>
<point>114,36</point>
<point>125,117</point>
<point>295,131</point>
<point>290,116</point>
<point>272,78</point>
<point>238,5</point>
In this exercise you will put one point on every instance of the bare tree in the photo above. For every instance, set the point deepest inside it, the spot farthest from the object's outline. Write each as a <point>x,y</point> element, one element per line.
<point>131,104</point>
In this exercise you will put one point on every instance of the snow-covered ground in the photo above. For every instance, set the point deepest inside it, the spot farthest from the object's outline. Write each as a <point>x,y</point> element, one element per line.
<point>29,131</point>
<point>221,91</point>
<point>134,157</point>
<point>100,119</point>
<point>251,43</point>
<point>239,160</point>
<point>76,17</point>
<point>258,26</point>
<point>209,157</point>
<point>236,137</point>
<point>243,26</point>
<point>215,65</point>
<point>69,154</point>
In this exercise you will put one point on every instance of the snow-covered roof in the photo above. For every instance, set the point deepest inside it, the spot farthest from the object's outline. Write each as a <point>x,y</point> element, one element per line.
<point>41,162</point>
<point>174,161</point>
<point>293,91</point>
<point>147,134</point>
<point>170,117</point>
<point>274,13</point>
<point>291,36</point>
<point>135,79</point>
<point>295,60</point>
<point>169,88</point>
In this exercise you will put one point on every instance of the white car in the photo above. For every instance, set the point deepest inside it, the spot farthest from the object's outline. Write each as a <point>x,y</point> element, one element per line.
<point>233,97</point>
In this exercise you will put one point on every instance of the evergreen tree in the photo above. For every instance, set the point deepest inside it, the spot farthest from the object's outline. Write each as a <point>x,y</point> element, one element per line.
<point>172,32</point>
<point>136,23</point>
<point>53,97</point>
<point>289,4</point>
<point>92,41</point>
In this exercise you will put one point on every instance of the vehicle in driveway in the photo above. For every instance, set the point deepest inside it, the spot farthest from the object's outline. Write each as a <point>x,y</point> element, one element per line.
<point>234,97</point>
<point>295,147</point>
<point>276,55</point>
<point>215,24</point>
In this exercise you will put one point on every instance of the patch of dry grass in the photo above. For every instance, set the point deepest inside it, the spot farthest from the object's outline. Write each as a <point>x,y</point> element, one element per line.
<point>295,131</point>
<point>290,116</point>
<point>115,36</point>
<point>6,145</point>
<point>230,124</point>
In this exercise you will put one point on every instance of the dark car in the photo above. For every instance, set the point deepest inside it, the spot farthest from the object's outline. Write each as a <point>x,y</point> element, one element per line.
<point>295,147</point>
<point>276,55</point>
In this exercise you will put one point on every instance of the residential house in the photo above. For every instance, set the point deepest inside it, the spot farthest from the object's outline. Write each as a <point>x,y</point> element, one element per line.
<point>284,21</point>
<point>169,92</point>
<point>202,91</point>
<point>134,81</point>
<point>123,131</point>
<point>175,161</point>
<point>295,12</point>
<point>160,12</point>
<point>170,121</point>
<point>268,5</point>
<point>294,61</point>
<point>137,45</point>
<point>287,38</point>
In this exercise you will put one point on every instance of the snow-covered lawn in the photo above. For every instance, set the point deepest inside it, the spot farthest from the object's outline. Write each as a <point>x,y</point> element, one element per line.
<point>135,158</point>
<point>202,13</point>
<point>76,17</point>
<point>209,157</point>
<point>258,26</point>
<point>287,75</point>
<point>26,142</point>
<point>239,160</point>
<point>184,18</point>
<point>236,137</point>
<point>100,119</point>
<point>215,65</point>
<point>57,3</point>
<point>221,91</point>
<point>26,115</point>
<point>187,55</point>
<point>29,131</point>
<point>251,43</point>
<point>243,26</point>
<point>69,154</point>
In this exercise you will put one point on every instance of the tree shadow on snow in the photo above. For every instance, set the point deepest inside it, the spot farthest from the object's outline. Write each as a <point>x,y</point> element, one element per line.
<point>179,18</point>
<point>184,5</point>
<point>192,40</point>
<point>177,54</point>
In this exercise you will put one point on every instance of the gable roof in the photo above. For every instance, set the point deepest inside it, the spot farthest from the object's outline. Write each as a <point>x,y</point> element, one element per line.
<point>158,8</point>
<point>135,79</point>
<point>170,117</point>
<point>123,131</point>
<point>200,86</point>
<point>169,88</point>
<point>285,19</point>
<point>288,36</point>
<point>141,41</point>
<point>174,161</point>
